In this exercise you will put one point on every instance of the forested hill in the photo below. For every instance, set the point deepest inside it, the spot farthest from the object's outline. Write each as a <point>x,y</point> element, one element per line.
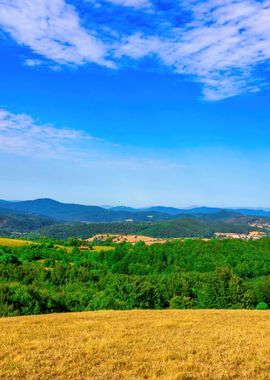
<point>13,223</point>
<point>95,214</point>
<point>183,227</point>
<point>197,225</point>
<point>17,223</point>
<point>74,212</point>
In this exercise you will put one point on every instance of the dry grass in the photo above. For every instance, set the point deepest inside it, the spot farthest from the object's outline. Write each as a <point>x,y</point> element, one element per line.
<point>7,242</point>
<point>117,345</point>
<point>14,242</point>
<point>133,239</point>
<point>102,248</point>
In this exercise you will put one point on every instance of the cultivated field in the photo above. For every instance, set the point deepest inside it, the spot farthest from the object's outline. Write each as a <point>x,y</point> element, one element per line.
<point>14,242</point>
<point>102,248</point>
<point>8,242</point>
<point>137,345</point>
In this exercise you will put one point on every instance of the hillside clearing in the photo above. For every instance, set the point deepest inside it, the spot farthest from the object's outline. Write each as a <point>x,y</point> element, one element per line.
<point>102,248</point>
<point>133,239</point>
<point>171,345</point>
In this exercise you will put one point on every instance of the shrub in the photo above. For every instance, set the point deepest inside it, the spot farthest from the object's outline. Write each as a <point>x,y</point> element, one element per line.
<point>180,302</point>
<point>262,306</point>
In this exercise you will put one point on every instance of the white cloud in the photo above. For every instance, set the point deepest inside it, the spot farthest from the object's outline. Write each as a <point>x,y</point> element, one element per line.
<point>21,135</point>
<point>132,3</point>
<point>33,62</point>
<point>52,29</point>
<point>220,47</point>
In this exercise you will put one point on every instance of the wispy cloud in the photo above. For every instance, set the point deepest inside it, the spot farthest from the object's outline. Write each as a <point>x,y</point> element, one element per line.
<point>132,3</point>
<point>52,29</point>
<point>33,62</point>
<point>219,48</point>
<point>21,135</point>
<point>220,43</point>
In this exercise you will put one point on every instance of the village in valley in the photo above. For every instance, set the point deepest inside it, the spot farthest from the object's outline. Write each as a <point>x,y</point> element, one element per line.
<point>253,235</point>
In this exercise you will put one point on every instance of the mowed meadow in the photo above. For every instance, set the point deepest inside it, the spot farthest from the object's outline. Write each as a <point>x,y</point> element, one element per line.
<point>145,344</point>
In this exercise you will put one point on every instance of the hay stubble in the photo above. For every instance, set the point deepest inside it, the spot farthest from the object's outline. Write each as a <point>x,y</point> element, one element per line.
<point>178,345</point>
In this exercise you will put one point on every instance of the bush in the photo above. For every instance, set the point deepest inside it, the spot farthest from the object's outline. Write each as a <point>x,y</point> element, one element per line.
<point>262,306</point>
<point>180,302</point>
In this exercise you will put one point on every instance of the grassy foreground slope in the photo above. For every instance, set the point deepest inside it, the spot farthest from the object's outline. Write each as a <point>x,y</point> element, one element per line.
<point>171,345</point>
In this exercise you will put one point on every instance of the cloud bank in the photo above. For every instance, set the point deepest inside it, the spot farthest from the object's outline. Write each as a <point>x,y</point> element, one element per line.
<point>221,44</point>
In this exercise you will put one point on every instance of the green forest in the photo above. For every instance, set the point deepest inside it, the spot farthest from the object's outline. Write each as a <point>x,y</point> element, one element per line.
<point>43,278</point>
<point>182,227</point>
<point>31,226</point>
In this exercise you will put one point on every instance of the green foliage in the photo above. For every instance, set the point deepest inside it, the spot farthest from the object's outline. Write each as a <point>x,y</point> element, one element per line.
<point>181,302</point>
<point>73,242</point>
<point>45,278</point>
<point>262,306</point>
<point>191,226</point>
<point>21,223</point>
<point>224,290</point>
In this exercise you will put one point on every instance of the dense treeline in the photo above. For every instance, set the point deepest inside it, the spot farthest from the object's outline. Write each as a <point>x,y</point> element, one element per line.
<point>182,227</point>
<point>86,230</point>
<point>15,224</point>
<point>196,225</point>
<point>180,274</point>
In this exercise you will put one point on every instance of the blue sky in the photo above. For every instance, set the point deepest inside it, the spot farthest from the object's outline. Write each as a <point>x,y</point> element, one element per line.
<point>135,102</point>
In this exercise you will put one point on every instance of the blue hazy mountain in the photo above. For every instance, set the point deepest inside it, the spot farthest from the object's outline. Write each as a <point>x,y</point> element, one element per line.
<point>75,212</point>
<point>53,209</point>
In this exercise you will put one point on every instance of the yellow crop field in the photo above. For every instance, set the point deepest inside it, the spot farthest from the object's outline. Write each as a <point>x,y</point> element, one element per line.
<point>129,345</point>
<point>95,248</point>
<point>18,243</point>
<point>14,242</point>
<point>102,248</point>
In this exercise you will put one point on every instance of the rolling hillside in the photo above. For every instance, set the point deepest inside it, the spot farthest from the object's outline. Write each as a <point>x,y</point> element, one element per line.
<point>181,227</point>
<point>60,220</point>
<point>16,223</point>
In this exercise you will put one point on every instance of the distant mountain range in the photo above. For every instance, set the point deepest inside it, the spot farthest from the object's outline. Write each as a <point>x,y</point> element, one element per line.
<point>47,217</point>
<point>80,213</point>
<point>70,212</point>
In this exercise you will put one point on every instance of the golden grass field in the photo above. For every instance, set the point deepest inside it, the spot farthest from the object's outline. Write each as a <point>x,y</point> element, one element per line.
<point>117,345</point>
<point>13,242</point>
<point>103,248</point>
<point>8,242</point>
<point>133,239</point>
